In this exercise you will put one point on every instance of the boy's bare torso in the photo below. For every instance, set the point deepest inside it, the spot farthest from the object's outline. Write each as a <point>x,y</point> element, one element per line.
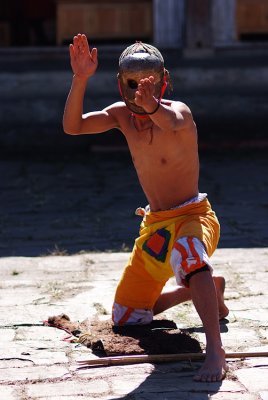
<point>167,162</point>
<point>163,145</point>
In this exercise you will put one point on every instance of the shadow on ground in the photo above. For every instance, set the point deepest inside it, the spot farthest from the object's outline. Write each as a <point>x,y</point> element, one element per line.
<point>71,204</point>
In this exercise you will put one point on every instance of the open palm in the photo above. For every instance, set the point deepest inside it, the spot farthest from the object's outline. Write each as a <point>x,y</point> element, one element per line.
<point>84,61</point>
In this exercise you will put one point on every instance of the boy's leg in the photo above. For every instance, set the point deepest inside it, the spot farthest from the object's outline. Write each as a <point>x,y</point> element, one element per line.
<point>135,295</point>
<point>192,268</point>
<point>171,298</point>
<point>204,297</point>
<point>180,294</point>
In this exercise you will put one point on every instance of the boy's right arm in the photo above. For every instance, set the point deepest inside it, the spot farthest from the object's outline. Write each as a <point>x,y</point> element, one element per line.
<point>84,64</point>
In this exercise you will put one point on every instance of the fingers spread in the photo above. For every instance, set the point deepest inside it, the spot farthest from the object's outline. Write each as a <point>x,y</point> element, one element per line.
<point>80,47</point>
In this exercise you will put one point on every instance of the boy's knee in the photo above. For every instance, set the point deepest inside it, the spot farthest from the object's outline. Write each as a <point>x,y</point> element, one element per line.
<point>123,315</point>
<point>188,258</point>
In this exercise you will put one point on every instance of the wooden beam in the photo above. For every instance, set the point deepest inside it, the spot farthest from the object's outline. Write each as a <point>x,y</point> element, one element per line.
<point>161,358</point>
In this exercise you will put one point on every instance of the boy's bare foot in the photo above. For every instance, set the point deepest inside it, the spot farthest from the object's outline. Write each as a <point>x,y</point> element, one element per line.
<point>214,368</point>
<point>220,288</point>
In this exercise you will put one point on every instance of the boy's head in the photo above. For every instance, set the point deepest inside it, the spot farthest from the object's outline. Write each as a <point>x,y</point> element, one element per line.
<point>139,61</point>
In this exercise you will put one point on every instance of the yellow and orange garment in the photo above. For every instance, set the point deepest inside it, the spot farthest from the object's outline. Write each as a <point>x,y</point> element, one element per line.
<point>174,242</point>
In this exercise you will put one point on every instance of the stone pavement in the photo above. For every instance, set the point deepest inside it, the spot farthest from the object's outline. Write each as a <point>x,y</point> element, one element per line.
<point>55,259</point>
<point>36,364</point>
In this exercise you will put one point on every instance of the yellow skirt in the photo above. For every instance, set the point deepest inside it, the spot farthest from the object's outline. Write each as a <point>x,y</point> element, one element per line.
<point>149,267</point>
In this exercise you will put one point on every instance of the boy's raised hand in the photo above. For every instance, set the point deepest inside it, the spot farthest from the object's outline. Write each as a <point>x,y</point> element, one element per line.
<point>144,96</point>
<point>84,61</point>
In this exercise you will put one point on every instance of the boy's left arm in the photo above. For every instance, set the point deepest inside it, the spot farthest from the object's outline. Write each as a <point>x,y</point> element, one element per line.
<point>169,118</point>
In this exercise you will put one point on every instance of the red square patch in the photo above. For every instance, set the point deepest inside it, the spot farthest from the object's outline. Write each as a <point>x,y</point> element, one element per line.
<point>155,243</point>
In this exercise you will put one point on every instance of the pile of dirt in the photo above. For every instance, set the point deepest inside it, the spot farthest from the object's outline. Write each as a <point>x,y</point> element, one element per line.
<point>103,338</point>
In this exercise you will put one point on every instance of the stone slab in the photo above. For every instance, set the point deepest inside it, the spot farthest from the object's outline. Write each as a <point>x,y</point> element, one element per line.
<point>32,353</point>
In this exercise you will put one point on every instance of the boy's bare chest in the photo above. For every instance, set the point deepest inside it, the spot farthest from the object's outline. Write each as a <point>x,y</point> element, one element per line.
<point>150,145</point>
<point>146,135</point>
<point>152,149</point>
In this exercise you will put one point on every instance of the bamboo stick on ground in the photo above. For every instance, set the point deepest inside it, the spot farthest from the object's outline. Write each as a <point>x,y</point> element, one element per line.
<point>161,358</point>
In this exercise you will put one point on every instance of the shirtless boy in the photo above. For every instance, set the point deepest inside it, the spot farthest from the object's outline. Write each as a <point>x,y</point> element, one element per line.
<point>179,231</point>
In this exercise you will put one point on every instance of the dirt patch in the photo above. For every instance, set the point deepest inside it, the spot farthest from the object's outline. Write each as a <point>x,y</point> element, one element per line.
<point>161,336</point>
